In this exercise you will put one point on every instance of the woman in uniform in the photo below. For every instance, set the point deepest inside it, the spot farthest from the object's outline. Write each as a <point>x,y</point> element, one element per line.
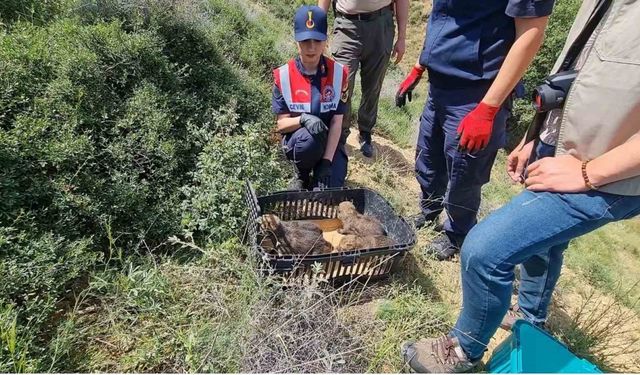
<point>309,100</point>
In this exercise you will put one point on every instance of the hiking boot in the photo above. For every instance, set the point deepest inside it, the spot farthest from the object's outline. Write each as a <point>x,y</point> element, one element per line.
<point>436,355</point>
<point>445,246</point>
<point>513,314</point>
<point>365,144</point>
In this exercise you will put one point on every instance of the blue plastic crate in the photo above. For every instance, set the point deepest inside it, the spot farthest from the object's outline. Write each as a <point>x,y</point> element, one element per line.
<point>530,349</point>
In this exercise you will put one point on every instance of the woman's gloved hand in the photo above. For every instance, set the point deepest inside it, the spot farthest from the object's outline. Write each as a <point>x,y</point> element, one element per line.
<point>315,126</point>
<point>322,174</point>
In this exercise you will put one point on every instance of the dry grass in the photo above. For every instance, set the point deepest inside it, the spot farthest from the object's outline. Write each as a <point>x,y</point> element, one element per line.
<point>298,330</point>
<point>596,326</point>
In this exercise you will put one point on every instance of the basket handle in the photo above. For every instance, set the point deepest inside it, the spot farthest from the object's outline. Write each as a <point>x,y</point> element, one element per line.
<point>251,193</point>
<point>331,189</point>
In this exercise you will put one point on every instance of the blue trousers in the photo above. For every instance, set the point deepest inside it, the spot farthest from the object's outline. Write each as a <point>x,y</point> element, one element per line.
<point>305,152</point>
<point>449,178</point>
<point>533,230</point>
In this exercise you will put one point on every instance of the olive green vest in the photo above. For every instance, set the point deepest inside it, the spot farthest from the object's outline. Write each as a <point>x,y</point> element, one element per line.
<point>602,110</point>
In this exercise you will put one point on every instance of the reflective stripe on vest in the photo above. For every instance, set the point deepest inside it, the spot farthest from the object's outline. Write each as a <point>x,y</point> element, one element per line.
<point>296,89</point>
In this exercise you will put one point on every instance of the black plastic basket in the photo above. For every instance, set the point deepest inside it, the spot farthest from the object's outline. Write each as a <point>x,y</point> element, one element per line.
<point>323,204</point>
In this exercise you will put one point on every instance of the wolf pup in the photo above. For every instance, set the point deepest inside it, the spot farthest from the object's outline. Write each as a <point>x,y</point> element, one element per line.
<point>356,223</point>
<point>296,238</point>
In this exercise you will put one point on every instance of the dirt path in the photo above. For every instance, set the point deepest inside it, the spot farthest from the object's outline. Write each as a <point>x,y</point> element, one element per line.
<point>390,171</point>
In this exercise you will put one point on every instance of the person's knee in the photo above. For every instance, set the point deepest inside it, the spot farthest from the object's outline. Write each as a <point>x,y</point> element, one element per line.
<point>470,172</point>
<point>427,161</point>
<point>422,160</point>
<point>464,197</point>
<point>307,151</point>
<point>478,252</point>
<point>302,137</point>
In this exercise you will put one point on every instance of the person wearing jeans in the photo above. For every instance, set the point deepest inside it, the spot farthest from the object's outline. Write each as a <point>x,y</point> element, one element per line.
<point>585,174</point>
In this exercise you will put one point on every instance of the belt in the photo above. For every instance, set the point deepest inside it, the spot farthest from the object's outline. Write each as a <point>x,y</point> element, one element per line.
<point>365,16</point>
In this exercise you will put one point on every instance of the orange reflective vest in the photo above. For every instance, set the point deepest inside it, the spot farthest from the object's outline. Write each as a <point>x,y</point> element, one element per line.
<point>296,87</point>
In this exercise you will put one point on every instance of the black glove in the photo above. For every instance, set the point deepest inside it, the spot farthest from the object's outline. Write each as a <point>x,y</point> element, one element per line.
<point>322,174</point>
<point>315,126</point>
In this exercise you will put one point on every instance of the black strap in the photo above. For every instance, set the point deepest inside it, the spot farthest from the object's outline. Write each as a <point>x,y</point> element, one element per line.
<point>572,54</point>
<point>576,47</point>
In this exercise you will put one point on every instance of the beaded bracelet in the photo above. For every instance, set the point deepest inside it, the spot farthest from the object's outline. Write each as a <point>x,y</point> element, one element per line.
<point>585,177</point>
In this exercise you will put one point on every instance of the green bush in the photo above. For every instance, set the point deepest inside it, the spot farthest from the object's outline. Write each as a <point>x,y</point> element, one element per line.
<point>113,121</point>
<point>34,11</point>
<point>284,8</point>
<point>36,272</point>
<point>101,125</point>
<point>215,205</point>
<point>69,142</point>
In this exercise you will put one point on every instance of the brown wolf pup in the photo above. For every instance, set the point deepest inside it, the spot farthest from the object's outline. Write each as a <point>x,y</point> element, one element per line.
<point>356,223</point>
<point>295,238</point>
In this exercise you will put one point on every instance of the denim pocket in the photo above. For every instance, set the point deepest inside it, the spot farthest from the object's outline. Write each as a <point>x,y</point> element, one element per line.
<point>623,207</point>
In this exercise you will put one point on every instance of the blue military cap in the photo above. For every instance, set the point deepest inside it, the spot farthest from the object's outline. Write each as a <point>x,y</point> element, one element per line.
<point>310,22</point>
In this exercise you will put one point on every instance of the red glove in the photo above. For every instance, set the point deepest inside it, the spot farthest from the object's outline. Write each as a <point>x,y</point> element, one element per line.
<point>475,128</point>
<point>407,86</point>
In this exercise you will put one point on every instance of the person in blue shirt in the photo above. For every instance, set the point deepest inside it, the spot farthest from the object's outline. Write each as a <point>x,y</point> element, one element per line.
<point>475,52</point>
<point>310,93</point>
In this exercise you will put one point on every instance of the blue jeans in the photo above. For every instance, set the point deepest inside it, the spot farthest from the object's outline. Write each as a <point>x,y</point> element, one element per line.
<point>533,230</point>
<point>450,178</point>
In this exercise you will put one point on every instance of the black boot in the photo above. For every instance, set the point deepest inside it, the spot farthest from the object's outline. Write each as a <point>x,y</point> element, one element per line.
<point>445,246</point>
<point>365,144</point>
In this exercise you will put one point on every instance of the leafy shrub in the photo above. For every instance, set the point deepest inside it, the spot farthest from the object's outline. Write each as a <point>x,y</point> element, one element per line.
<point>112,122</point>
<point>99,125</point>
<point>284,8</point>
<point>34,11</point>
<point>36,271</point>
<point>215,205</point>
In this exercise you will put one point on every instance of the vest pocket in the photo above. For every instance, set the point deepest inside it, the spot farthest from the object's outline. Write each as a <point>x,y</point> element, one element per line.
<point>620,36</point>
